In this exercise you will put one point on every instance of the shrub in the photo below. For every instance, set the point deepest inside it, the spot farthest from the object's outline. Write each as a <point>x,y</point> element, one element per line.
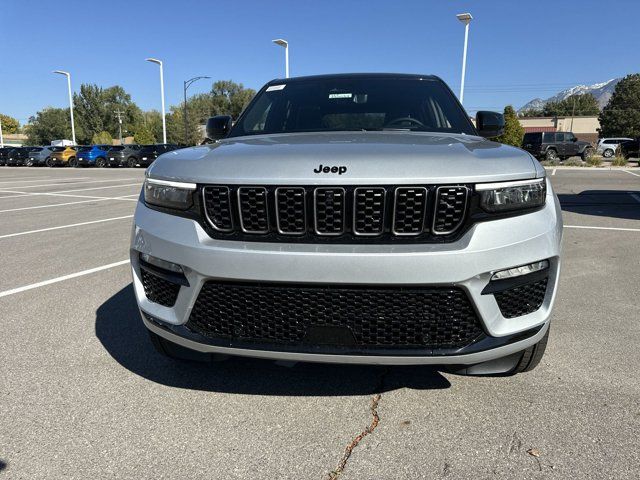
<point>102,138</point>
<point>550,163</point>
<point>594,161</point>
<point>573,162</point>
<point>619,161</point>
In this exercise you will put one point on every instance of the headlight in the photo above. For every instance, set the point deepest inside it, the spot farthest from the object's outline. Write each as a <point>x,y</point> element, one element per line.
<point>163,193</point>
<point>508,196</point>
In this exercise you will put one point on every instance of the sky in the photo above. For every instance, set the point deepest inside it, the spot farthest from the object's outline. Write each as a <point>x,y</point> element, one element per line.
<point>518,50</point>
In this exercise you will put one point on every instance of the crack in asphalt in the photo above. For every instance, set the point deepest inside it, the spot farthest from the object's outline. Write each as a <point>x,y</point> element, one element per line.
<point>375,420</point>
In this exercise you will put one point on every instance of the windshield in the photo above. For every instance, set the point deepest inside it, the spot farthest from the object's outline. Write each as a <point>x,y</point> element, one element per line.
<point>354,103</point>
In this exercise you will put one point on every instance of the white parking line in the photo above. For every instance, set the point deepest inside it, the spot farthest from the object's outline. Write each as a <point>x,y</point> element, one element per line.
<point>61,193</point>
<point>96,199</point>
<point>13,291</point>
<point>60,227</point>
<point>603,228</point>
<point>635,196</point>
<point>40,179</point>
<point>72,183</point>
<point>631,173</point>
<point>554,171</point>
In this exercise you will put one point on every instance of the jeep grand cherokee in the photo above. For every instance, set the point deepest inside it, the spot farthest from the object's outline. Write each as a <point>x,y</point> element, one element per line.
<point>355,218</point>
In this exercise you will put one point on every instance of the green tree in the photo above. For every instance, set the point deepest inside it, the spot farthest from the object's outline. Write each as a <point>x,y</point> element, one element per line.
<point>229,98</point>
<point>9,124</point>
<point>143,136</point>
<point>102,138</point>
<point>621,116</point>
<point>584,104</point>
<point>513,131</point>
<point>48,125</point>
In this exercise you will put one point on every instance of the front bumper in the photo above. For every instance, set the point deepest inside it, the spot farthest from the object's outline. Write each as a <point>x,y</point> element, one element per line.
<point>467,263</point>
<point>85,161</point>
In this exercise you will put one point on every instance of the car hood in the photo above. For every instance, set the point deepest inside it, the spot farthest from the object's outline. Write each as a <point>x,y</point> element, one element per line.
<point>369,157</point>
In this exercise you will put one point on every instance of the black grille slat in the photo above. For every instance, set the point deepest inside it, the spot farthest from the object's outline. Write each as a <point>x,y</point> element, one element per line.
<point>217,204</point>
<point>368,211</point>
<point>522,300</point>
<point>291,210</point>
<point>158,290</point>
<point>436,317</point>
<point>409,210</point>
<point>329,208</point>
<point>254,209</point>
<point>450,208</point>
<point>336,214</point>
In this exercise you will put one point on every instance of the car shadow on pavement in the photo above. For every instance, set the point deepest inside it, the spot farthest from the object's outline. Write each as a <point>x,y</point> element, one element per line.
<point>121,332</point>
<point>624,204</point>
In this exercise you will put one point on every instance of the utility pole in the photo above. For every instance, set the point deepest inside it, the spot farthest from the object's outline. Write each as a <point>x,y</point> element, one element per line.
<point>1,137</point>
<point>119,115</point>
<point>573,112</point>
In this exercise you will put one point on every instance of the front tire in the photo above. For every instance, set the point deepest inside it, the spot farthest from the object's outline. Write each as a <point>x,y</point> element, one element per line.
<point>608,153</point>
<point>587,154</point>
<point>101,162</point>
<point>531,356</point>
<point>72,162</point>
<point>551,155</point>
<point>49,162</point>
<point>131,162</point>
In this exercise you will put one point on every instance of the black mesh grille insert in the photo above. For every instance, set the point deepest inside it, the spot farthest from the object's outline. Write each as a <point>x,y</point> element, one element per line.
<point>378,317</point>
<point>451,203</point>
<point>217,204</point>
<point>329,210</point>
<point>291,210</point>
<point>254,215</point>
<point>409,211</point>
<point>158,290</point>
<point>522,300</point>
<point>368,211</point>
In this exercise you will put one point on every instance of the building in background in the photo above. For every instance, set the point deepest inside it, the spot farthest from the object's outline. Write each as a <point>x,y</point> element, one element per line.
<point>585,128</point>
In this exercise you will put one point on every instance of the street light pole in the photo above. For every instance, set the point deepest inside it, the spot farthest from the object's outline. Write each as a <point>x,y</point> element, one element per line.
<point>466,19</point>
<point>73,128</point>
<point>1,137</point>
<point>164,121</point>
<point>187,84</point>
<point>285,44</point>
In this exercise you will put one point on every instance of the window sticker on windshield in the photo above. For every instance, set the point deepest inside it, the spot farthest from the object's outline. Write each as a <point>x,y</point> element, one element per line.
<point>340,95</point>
<point>273,88</point>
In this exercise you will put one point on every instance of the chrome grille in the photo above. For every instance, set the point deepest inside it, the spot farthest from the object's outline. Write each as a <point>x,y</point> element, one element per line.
<point>217,203</point>
<point>409,210</point>
<point>291,210</point>
<point>335,214</point>
<point>451,204</point>
<point>254,214</point>
<point>368,211</point>
<point>329,207</point>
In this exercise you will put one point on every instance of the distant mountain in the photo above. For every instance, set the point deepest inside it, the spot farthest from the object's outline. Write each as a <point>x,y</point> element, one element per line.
<point>602,92</point>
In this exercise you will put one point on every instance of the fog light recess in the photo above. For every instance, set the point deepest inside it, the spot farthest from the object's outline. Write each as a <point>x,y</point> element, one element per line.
<point>520,271</point>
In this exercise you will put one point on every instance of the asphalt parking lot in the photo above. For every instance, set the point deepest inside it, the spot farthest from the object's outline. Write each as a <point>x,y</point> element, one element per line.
<point>84,395</point>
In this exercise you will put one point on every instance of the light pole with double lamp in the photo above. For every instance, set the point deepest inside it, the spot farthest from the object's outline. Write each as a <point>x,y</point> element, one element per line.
<point>73,128</point>
<point>187,84</point>
<point>285,44</point>
<point>466,19</point>
<point>164,121</point>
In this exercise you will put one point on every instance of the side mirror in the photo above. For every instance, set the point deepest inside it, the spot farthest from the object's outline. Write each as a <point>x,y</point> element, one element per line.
<point>218,126</point>
<point>489,124</point>
<point>574,139</point>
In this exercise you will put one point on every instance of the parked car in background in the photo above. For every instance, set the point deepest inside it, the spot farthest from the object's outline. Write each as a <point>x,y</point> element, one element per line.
<point>148,153</point>
<point>17,156</point>
<point>4,153</point>
<point>63,156</point>
<point>123,155</point>
<point>93,155</point>
<point>629,149</point>
<point>607,146</point>
<point>556,145</point>
<point>40,156</point>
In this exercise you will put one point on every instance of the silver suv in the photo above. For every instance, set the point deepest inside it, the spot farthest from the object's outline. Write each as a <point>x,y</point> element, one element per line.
<point>607,146</point>
<point>355,218</point>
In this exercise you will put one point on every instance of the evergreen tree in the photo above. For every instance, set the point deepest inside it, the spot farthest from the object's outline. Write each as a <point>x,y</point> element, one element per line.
<point>513,131</point>
<point>621,116</point>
